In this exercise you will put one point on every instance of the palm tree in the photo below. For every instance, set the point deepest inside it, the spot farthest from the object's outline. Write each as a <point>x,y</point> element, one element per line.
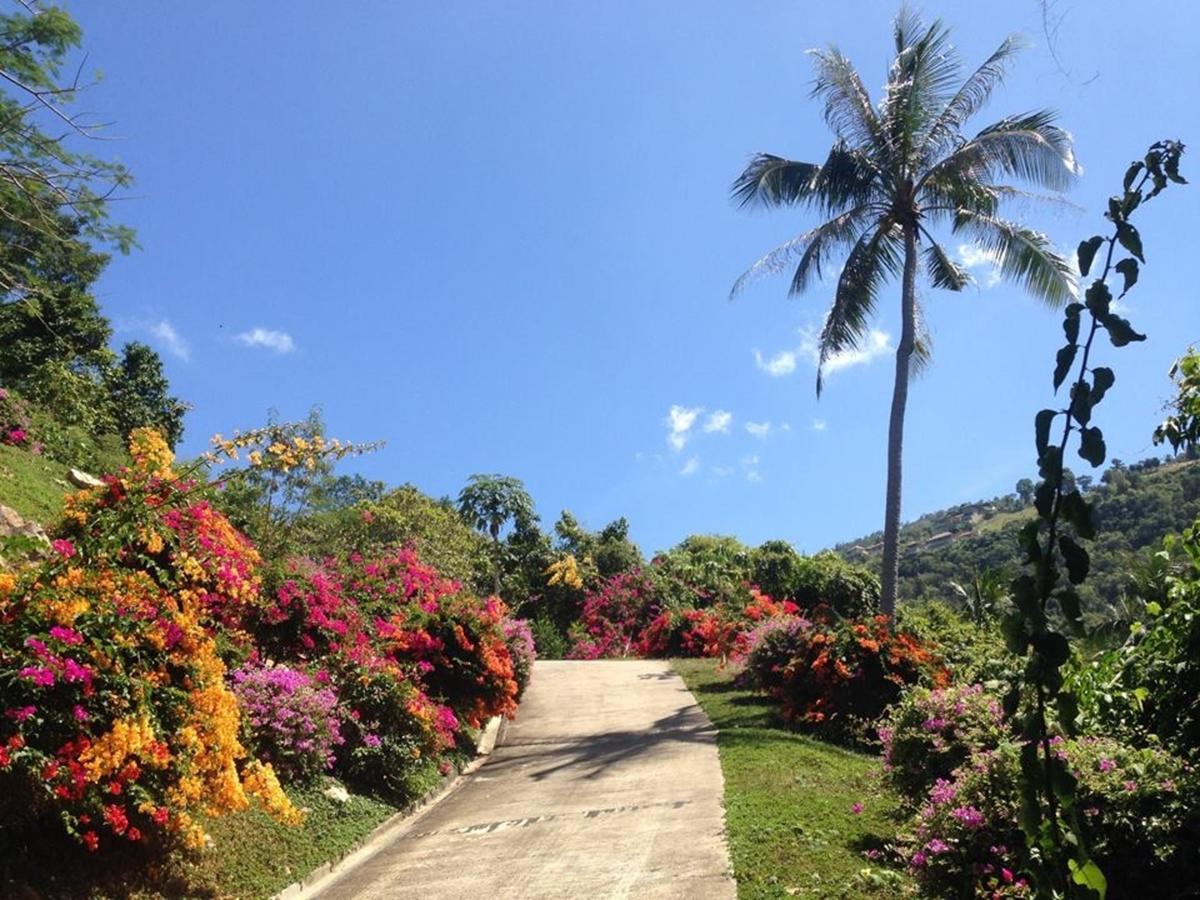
<point>898,170</point>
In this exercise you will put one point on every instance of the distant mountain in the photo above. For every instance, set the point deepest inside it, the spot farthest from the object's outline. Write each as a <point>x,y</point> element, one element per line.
<point>1135,507</point>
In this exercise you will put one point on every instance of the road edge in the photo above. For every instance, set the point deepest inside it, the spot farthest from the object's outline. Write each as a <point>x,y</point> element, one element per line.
<point>392,827</point>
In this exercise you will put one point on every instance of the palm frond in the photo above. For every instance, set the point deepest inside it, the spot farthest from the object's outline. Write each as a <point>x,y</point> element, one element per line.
<point>826,236</point>
<point>848,108</point>
<point>1029,146</point>
<point>920,82</point>
<point>1022,255</point>
<point>774,181</point>
<point>972,95</point>
<point>875,256</point>
<point>841,231</point>
<point>949,190</point>
<point>942,270</point>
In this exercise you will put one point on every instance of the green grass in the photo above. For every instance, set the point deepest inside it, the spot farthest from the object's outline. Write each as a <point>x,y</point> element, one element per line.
<point>32,485</point>
<point>254,856</point>
<point>789,800</point>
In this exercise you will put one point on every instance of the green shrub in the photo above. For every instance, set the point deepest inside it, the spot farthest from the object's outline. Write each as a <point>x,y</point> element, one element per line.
<point>930,733</point>
<point>851,591</point>
<point>974,653</point>
<point>1138,810</point>
<point>550,642</point>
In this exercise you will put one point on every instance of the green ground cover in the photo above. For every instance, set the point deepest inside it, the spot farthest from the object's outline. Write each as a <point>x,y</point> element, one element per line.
<point>790,800</point>
<point>255,857</point>
<point>32,485</point>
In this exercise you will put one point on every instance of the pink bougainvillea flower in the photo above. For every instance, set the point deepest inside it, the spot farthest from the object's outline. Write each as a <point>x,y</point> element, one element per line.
<point>63,548</point>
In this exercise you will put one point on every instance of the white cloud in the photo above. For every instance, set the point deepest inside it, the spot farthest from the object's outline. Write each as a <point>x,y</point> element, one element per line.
<point>877,343</point>
<point>680,420</point>
<point>750,467</point>
<point>719,420</point>
<point>171,339</point>
<point>782,363</point>
<point>691,467</point>
<point>972,256</point>
<point>818,425</point>
<point>759,429</point>
<point>722,471</point>
<point>279,341</point>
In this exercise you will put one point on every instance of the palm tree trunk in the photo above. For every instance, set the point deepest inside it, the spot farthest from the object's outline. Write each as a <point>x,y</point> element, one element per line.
<point>895,451</point>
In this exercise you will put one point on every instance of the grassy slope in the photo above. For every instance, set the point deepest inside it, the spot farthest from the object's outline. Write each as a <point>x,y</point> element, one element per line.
<point>789,798</point>
<point>32,485</point>
<point>256,857</point>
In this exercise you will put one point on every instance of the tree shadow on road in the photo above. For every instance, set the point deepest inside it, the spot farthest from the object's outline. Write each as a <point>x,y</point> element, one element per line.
<point>594,755</point>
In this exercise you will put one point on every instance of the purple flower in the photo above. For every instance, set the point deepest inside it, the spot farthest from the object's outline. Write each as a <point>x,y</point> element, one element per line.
<point>1107,765</point>
<point>857,809</point>
<point>372,741</point>
<point>969,816</point>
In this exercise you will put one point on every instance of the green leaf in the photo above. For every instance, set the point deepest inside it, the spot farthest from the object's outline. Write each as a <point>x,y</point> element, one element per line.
<point>1132,172</point>
<point>1050,464</point>
<point>1091,445</point>
<point>1088,875</point>
<point>1041,428</point>
<point>1063,361</point>
<point>1102,379</point>
<point>1098,298</point>
<point>1012,626</point>
<point>1129,269</point>
<point>1077,559</point>
<point>1063,782</point>
<point>1120,332</point>
<point>1130,239</point>
<point>1027,540</point>
<point>1043,499</point>
<point>1054,647</point>
<point>1071,322</point>
<point>1078,512</point>
<point>1068,712</point>
<point>1068,602</point>
<point>1081,402</point>
<point>1011,700</point>
<point>1087,252</point>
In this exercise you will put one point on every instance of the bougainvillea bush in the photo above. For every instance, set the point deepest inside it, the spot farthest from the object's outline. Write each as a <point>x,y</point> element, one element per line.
<point>523,650</point>
<point>769,649</point>
<point>115,710</point>
<point>414,658</point>
<point>289,719</point>
<point>847,672</point>
<point>931,732</point>
<point>614,617</point>
<point>1138,809</point>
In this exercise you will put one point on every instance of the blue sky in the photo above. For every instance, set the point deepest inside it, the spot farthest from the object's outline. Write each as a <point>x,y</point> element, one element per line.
<point>499,237</point>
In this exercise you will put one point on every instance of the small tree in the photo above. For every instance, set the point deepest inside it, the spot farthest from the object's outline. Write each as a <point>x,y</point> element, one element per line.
<point>488,503</point>
<point>138,389</point>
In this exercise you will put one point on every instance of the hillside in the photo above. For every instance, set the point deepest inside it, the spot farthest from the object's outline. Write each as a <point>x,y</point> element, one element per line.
<point>1135,507</point>
<point>32,485</point>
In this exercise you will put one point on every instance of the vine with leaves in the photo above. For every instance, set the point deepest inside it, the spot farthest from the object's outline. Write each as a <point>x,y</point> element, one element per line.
<point>1046,610</point>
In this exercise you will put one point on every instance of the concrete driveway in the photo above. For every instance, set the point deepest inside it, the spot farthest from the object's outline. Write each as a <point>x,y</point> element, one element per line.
<point>607,785</point>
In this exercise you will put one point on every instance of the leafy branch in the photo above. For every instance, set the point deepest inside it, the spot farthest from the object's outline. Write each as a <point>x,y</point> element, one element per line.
<point>1040,707</point>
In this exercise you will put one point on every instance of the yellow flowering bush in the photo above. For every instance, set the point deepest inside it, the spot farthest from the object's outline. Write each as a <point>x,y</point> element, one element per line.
<point>114,707</point>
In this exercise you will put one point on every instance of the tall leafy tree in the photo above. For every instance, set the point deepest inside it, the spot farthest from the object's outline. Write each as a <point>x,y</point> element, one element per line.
<point>900,170</point>
<point>139,393</point>
<point>488,503</point>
